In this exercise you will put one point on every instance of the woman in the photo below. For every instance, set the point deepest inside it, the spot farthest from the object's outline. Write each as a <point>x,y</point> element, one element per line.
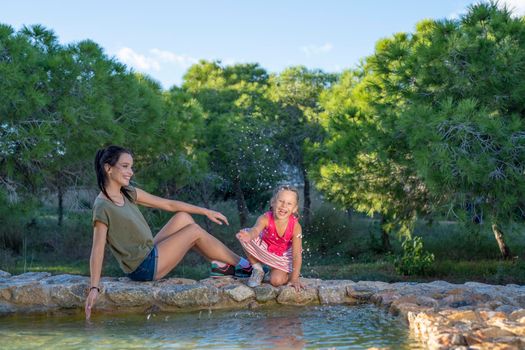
<point>118,221</point>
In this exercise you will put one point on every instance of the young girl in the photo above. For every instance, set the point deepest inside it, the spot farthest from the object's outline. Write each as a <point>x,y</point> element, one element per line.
<point>276,240</point>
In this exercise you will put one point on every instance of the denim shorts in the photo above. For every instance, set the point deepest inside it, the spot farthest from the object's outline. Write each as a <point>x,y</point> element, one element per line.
<point>148,267</point>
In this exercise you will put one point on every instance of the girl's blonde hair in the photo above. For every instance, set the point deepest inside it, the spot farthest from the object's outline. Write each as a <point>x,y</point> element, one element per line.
<point>286,188</point>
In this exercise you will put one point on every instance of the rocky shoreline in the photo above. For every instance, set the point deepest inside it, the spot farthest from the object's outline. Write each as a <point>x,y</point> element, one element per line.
<point>443,315</point>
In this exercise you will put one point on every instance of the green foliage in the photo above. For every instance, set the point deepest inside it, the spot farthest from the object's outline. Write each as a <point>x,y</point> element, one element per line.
<point>296,91</point>
<point>63,102</point>
<point>174,158</point>
<point>238,136</point>
<point>470,151</point>
<point>24,137</point>
<point>325,233</point>
<point>362,163</point>
<point>415,260</point>
<point>431,124</point>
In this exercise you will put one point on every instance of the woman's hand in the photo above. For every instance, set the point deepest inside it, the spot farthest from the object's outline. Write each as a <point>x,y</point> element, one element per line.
<point>90,301</point>
<point>216,217</point>
<point>244,236</point>
<point>296,284</point>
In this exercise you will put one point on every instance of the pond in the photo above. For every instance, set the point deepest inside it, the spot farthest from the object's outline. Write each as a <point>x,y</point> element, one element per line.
<point>307,327</point>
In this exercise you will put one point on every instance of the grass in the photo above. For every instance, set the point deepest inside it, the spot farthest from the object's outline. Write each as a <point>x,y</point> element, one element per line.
<point>485,271</point>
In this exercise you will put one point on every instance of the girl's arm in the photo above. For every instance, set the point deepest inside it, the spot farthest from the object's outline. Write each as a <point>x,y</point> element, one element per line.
<point>248,235</point>
<point>95,264</point>
<point>146,199</point>
<point>297,254</point>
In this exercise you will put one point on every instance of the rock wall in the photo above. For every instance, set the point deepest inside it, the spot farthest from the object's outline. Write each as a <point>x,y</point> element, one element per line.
<point>441,314</point>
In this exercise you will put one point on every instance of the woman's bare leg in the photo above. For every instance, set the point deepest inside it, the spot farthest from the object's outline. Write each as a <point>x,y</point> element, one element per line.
<point>172,248</point>
<point>177,222</point>
<point>278,278</point>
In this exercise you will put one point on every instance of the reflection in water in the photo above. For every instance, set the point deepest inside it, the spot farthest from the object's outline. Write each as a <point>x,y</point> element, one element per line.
<point>281,332</point>
<point>311,327</point>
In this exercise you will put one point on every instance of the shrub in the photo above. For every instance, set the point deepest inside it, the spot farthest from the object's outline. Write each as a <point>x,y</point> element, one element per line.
<point>415,260</point>
<point>17,219</point>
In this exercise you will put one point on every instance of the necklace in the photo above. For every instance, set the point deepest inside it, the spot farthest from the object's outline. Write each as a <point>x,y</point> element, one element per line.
<point>116,199</point>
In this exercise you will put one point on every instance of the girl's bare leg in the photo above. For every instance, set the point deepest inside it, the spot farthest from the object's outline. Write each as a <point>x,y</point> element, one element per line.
<point>250,257</point>
<point>172,247</point>
<point>278,278</point>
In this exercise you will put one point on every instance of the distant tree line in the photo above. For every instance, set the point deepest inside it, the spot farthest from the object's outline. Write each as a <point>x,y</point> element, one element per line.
<point>431,125</point>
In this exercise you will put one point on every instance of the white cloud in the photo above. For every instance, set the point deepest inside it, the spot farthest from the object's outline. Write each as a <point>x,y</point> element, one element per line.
<point>155,60</point>
<point>171,57</point>
<point>311,50</point>
<point>516,6</point>
<point>137,60</point>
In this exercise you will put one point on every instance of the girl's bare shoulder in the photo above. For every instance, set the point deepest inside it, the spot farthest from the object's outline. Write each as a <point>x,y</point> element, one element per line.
<point>297,228</point>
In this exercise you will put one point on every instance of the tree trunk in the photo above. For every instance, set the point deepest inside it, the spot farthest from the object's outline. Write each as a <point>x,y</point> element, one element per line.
<point>60,205</point>
<point>385,238</point>
<point>307,200</point>
<point>241,203</point>
<point>503,248</point>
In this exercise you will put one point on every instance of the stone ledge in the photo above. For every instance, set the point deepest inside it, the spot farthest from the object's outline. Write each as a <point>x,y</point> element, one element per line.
<point>443,315</point>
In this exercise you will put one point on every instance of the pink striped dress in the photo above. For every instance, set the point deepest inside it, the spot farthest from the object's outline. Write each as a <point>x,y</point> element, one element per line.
<point>272,249</point>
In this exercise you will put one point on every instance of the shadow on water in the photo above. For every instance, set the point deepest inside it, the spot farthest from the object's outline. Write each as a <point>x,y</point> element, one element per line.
<point>309,327</point>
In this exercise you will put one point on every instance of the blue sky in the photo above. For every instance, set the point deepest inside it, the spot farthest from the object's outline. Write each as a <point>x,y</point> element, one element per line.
<point>163,38</point>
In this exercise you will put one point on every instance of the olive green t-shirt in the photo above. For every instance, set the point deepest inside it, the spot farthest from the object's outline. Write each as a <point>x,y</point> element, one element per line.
<point>129,236</point>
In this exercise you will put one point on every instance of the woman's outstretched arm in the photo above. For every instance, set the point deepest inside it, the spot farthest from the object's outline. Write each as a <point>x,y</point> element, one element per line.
<point>146,199</point>
<point>95,264</point>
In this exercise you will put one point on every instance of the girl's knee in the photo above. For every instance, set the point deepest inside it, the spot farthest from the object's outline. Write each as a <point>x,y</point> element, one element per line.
<point>277,281</point>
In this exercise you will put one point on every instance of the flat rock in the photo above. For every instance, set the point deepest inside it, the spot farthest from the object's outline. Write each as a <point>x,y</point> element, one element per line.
<point>334,292</point>
<point>126,295</point>
<point>30,294</point>
<point>188,296</point>
<point>239,293</point>
<point>266,292</point>
<point>289,296</point>
<point>32,276</point>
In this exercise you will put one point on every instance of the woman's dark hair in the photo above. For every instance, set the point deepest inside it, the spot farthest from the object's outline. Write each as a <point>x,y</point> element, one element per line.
<point>109,155</point>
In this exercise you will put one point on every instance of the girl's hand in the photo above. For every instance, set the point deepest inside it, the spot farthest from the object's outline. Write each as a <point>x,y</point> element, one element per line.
<point>244,236</point>
<point>296,284</point>
<point>90,301</point>
<point>216,217</point>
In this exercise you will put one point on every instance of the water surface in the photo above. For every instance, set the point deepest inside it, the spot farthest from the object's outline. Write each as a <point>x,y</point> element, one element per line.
<point>307,327</point>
